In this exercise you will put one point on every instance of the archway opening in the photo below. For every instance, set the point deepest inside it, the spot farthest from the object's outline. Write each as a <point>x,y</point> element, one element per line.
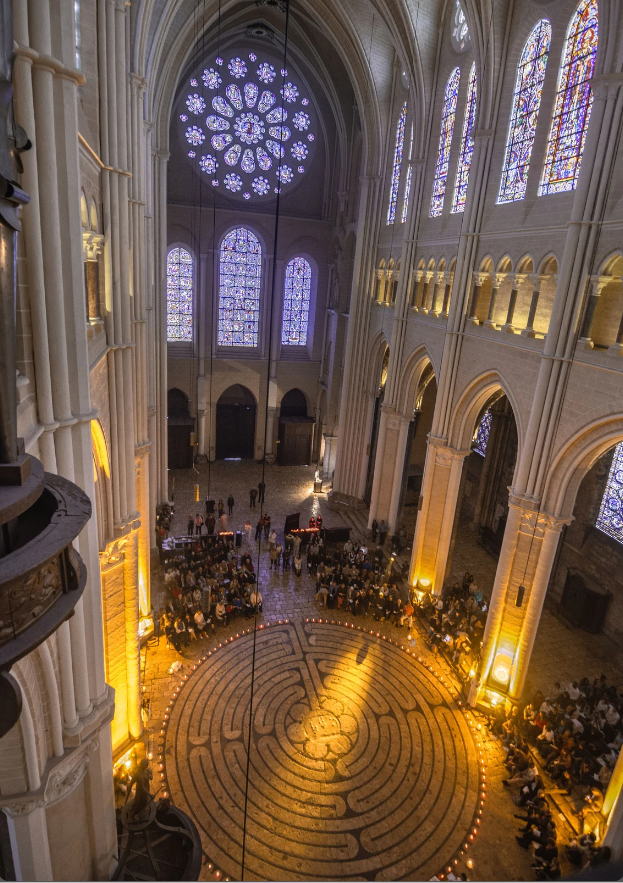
<point>180,426</point>
<point>376,416</point>
<point>417,443</point>
<point>482,503</point>
<point>235,424</point>
<point>295,430</point>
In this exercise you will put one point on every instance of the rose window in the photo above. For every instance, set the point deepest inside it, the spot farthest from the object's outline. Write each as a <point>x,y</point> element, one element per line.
<point>248,127</point>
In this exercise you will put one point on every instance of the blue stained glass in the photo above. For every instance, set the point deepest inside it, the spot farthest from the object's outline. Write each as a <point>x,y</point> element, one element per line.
<point>232,155</point>
<point>195,104</point>
<point>574,100</point>
<point>266,101</point>
<point>211,78</point>
<point>233,182</point>
<point>296,297</point>
<point>248,162</point>
<point>277,115</point>
<point>301,120</point>
<point>237,68</point>
<point>195,136</point>
<point>281,133</point>
<point>239,289</point>
<point>481,438</point>
<point>467,145</point>
<point>220,142</point>
<point>221,106</point>
<point>250,94</point>
<point>179,295</point>
<point>448,116</point>
<point>395,183</point>
<point>524,113</point>
<point>263,159</point>
<point>217,124</point>
<point>266,72</point>
<point>407,193</point>
<point>260,185</point>
<point>290,92</point>
<point>610,518</point>
<point>235,96</point>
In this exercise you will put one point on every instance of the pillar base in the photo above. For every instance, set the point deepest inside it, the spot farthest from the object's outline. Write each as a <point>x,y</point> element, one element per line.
<point>509,329</point>
<point>491,324</point>
<point>528,332</point>
<point>586,343</point>
<point>616,349</point>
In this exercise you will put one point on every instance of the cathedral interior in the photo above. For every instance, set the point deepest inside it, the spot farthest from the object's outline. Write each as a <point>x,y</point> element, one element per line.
<point>311,363</point>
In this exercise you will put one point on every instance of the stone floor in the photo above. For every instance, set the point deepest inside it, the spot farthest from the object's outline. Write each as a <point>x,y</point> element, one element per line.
<point>494,853</point>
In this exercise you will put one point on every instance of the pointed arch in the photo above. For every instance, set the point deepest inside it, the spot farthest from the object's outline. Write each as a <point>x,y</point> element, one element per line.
<point>524,113</point>
<point>448,116</point>
<point>397,166</point>
<point>296,300</point>
<point>467,144</point>
<point>574,100</point>
<point>240,273</point>
<point>180,283</point>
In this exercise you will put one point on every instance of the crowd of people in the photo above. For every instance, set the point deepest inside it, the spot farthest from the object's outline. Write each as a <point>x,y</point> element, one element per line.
<point>577,734</point>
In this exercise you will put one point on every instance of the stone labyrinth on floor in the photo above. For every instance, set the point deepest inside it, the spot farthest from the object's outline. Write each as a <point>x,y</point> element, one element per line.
<point>361,764</point>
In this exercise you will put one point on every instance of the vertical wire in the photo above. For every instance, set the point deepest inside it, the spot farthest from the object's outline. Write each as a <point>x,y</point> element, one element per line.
<point>269,359</point>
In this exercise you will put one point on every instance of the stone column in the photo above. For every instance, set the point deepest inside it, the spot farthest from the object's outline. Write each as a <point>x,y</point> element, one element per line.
<point>417,300</point>
<point>274,358</point>
<point>439,282</point>
<point>529,331</point>
<point>517,279</point>
<point>446,295</point>
<point>472,309</point>
<point>399,468</point>
<point>428,276</point>
<point>524,568</point>
<point>497,281</point>
<point>433,531</point>
<point>28,830</point>
<point>617,347</point>
<point>596,286</point>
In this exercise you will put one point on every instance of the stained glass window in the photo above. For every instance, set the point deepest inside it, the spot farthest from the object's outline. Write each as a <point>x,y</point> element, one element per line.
<point>407,193</point>
<point>610,518</point>
<point>242,125</point>
<point>179,295</point>
<point>296,296</point>
<point>240,274</point>
<point>448,115</point>
<point>574,100</point>
<point>481,438</point>
<point>524,113</point>
<point>400,143</point>
<point>467,145</point>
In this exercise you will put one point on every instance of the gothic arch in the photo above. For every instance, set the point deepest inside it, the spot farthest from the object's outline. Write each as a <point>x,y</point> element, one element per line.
<point>410,379</point>
<point>470,404</point>
<point>375,362</point>
<point>103,490</point>
<point>575,459</point>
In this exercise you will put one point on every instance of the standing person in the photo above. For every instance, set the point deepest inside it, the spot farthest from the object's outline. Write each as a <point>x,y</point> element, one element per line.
<point>375,530</point>
<point>273,554</point>
<point>230,504</point>
<point>221,508</point>
<point>297,544</point>
<point>298,563</point>
<point>258,529</point>
<point>262,489</point>
<point>198,524</point>
<point>252,497</point>
<point>266,526</point>
<point>223,520</point>
<point>210,523</point>
<point>383,529</point>
<point>272,539</point>
<point>247,530</point>
<point>191,525</point>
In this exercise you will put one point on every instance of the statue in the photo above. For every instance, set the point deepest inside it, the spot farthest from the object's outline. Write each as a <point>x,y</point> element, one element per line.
<point>142,798</point>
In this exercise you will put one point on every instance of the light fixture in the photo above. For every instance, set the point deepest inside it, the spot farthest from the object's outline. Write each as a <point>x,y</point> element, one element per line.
<point>501,669</point>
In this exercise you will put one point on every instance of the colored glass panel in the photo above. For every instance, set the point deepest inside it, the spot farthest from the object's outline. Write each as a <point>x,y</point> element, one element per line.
<point>524,113</point>
<point>448,116</point>
<point>481,439</point>
<point>467,145</point>
<point>240,273</point>
<point>296,296</point>
<point>179,295</point>
<point>574,100</point>
<point>610,518</point>
<point>407,193</point>
<point>395,181</point>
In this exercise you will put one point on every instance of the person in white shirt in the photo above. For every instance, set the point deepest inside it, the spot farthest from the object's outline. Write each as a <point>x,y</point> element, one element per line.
<point>573,691</point>
<point>272,539</point>
<point>612,715</point>
<point>248,530</point>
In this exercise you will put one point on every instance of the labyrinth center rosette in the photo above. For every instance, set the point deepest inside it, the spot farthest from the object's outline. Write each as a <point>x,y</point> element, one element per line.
<point>361,765</point>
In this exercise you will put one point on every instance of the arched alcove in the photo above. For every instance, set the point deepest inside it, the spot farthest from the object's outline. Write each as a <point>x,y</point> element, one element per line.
<point>295,430</point>
<point>235,424</point>
<point>180,426</point>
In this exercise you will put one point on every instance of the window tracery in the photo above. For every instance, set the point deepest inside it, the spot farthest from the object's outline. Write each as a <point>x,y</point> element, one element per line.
<point>395,180</point>
<point>407,193</point>
<point>481,437</point>
<point>574,100</point>
<point>524,113</point>
<point>610,518</point>
<point>258,137</point>
<point>296,300</point>
<point>240,270</point>
<point>467,145</point>
<point>448,116</point>
<point>179,295</point>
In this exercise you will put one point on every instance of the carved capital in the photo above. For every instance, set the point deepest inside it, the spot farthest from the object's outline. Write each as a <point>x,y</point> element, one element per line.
<point>92,245</point>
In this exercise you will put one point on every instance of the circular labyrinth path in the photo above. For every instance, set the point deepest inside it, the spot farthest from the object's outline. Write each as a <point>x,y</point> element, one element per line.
<point>362,766</point>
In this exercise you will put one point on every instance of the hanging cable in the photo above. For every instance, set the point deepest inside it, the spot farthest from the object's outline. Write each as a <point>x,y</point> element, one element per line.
<point>263,471</point>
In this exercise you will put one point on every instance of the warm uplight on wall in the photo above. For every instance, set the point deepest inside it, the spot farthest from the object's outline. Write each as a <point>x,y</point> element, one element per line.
<point>501,669</point>
<point>494,698</point>
<point>145,625</point>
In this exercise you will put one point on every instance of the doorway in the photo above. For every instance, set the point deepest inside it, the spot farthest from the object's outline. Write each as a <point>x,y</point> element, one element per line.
<point>235,424</point>
<point>180,426</point>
